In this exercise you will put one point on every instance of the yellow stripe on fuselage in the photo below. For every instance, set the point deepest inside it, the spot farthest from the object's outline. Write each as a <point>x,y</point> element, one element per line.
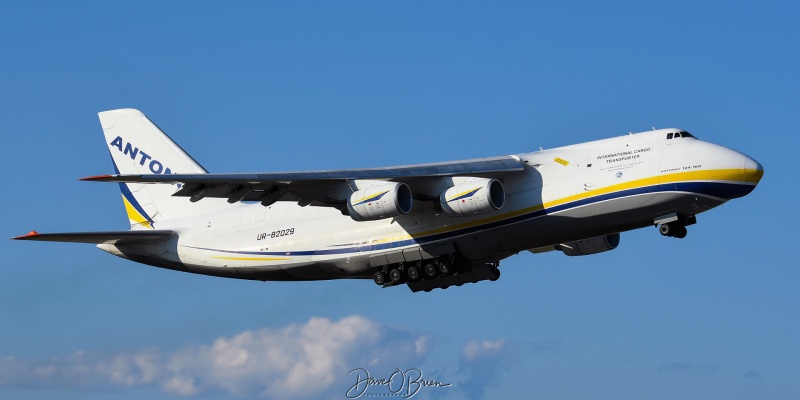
<point>732,175</point>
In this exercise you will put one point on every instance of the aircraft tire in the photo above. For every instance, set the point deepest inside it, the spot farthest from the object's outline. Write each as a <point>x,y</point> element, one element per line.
<point>395,275</point>
<point>665,230</point>
<point>681,232</point>
<point>496,274</point>
<point>412,273</point>
<point>445,268</point>
<point>379,278</point>
<point>430,270</point>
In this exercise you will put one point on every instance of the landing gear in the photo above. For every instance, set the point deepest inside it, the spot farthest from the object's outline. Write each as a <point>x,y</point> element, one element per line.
<point>395,275</point>
<point>673,229</point>
<point>445,268</point>
<point>413,273</point>
<point>379,278</point>
<point>431,270</point>
<point>495,272</point>
<point>674,224</point>
<point>439,273</point>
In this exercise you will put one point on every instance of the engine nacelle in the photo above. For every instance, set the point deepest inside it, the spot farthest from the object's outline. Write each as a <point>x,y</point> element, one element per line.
<point>474,197</point>
<point>379,202</point>
<point>593,245</point>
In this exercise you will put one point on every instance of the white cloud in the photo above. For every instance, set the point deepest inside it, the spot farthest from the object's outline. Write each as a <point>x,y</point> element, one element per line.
<point>481,364</point>
<point>475,350</point>
<point>421,346</point>
<point>296,361</point>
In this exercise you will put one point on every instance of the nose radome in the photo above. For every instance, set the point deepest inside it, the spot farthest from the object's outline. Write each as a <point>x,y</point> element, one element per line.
<point>753,167</point>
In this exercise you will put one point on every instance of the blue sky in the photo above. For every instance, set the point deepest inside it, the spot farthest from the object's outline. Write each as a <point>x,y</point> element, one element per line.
<point>276,86</point>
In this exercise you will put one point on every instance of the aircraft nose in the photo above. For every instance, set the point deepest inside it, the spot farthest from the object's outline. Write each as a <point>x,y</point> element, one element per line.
<point>741,173</point>
<point>753,170</point>
<point>753,167</point>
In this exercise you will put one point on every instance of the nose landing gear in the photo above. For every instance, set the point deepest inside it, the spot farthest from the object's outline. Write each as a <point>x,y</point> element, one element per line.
<point>673,229</point>
<point>674,225</point>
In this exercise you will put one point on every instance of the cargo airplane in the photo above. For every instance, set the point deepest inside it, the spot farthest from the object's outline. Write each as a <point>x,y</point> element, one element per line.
<point>428,225</point>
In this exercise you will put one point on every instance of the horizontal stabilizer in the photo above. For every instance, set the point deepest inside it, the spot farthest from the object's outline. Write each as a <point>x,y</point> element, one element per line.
<point>109,237</point>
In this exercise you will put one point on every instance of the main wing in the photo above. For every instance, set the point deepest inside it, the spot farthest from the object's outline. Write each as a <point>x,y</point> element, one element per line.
<point>321,188</point>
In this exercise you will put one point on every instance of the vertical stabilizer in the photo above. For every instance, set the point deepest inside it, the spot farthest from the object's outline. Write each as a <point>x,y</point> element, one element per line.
<point>138,146</point>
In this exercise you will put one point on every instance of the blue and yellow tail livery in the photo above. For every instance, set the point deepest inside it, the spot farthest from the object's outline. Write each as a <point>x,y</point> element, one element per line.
<point>139,147</point>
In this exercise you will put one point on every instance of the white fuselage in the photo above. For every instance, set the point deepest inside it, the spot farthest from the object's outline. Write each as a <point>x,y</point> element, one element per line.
<point>563,195</point>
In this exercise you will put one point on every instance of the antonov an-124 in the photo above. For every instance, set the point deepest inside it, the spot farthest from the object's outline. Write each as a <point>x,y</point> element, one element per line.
<point>428,226</point>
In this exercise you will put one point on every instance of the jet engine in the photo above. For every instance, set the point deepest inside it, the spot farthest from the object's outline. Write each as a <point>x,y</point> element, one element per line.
<point>379,202</point>
<point>473,197</point>
<point>593,245</point>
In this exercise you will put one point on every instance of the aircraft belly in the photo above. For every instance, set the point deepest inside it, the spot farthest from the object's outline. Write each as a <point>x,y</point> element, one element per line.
<point>681,202</point>
<point>595,219</point>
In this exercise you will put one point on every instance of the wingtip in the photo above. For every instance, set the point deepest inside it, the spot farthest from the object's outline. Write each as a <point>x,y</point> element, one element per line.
<point>26,236</point>
<point>96,178</point>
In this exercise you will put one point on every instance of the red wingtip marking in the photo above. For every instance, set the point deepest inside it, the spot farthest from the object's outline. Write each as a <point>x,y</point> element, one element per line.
<point>96,177</point>
<point>29,234</point>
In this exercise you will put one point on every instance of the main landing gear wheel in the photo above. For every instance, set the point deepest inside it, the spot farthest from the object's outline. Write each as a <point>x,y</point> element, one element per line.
<point>395,275</point>
<point>445,268</point>
<point>379,278</point>
<point>430,270</point>
<point>681,232</point>
<point>413,273</point>
<point>665,230</point>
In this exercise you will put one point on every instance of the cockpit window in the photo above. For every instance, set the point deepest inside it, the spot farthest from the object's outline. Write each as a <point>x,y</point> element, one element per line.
<point>676,135</point>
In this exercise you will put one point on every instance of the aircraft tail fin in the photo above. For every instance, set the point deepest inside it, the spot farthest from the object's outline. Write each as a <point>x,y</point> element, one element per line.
<point>138,146</point>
